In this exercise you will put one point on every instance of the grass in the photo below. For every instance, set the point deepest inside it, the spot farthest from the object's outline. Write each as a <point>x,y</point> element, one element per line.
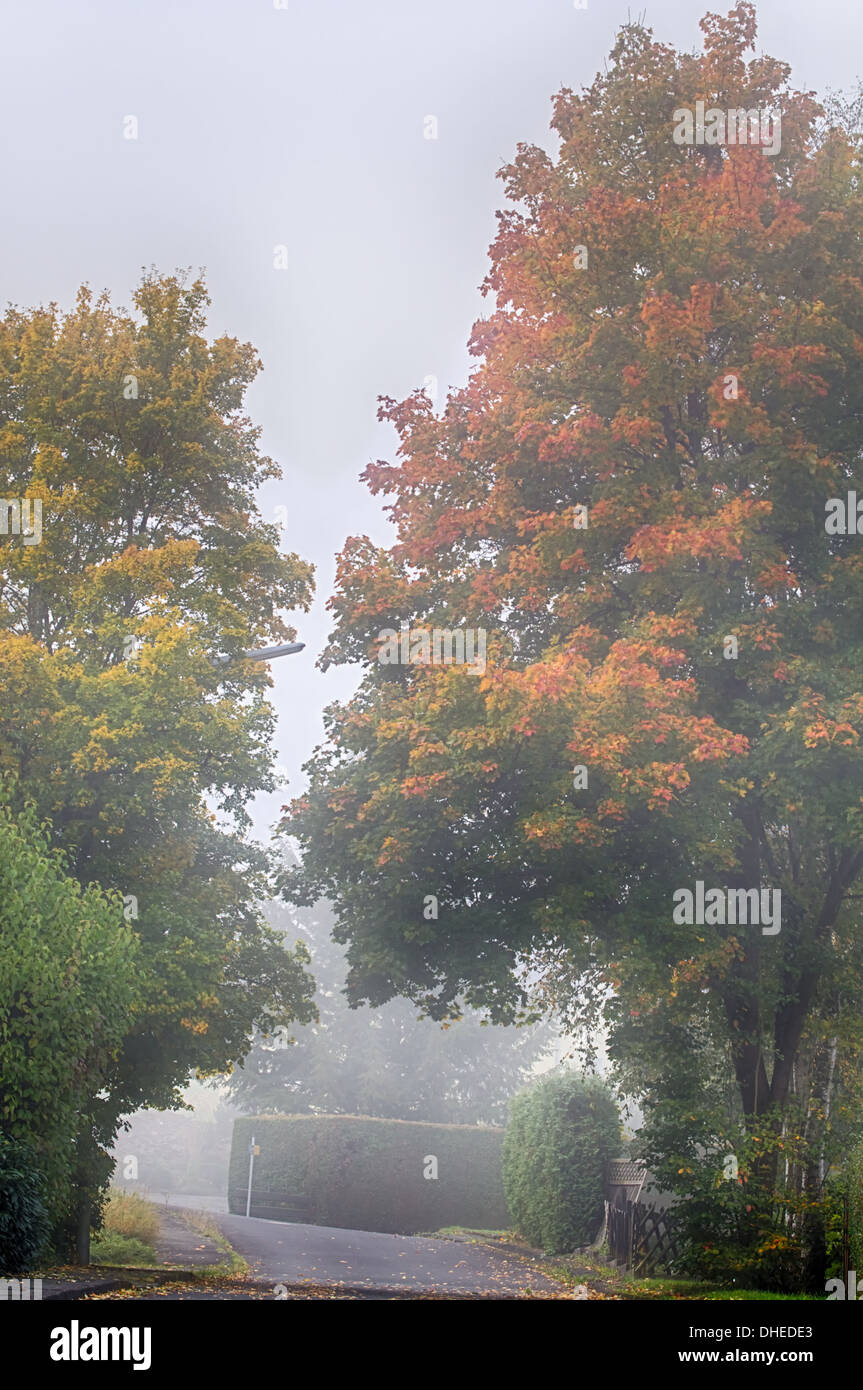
<point>115,1249</point>
<point>573,1269</point>
<point>470,1231</point>
<point>584,1269</point>
<point>127,1214</point>
<point>130,1226</point>
<point>702,1292</point>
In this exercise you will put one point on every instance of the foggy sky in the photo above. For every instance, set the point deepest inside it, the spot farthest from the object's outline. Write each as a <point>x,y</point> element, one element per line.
<point>304,126</point>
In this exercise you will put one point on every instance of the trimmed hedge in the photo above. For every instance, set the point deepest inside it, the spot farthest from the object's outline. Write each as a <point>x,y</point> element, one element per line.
<point>367,1174</point>
<point>561,1135</point>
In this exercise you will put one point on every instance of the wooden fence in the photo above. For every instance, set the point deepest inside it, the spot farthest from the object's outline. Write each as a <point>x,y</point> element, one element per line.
<point>641,1239</point>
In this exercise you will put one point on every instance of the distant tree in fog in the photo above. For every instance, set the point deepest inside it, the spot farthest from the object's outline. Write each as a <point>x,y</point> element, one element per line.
<point>384,1061</point>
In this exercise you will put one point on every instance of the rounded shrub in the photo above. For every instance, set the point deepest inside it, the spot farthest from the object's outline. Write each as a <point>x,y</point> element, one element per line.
<point>562,1132</point>
<point>24,1223</point>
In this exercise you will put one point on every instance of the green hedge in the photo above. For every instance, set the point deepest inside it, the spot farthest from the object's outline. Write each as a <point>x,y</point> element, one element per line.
<point>367,1174</point>
<point>561,1135</point>
<point>23,1217</point>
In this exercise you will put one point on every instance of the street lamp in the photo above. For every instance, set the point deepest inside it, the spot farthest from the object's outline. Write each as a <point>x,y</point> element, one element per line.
<point>263,654</point>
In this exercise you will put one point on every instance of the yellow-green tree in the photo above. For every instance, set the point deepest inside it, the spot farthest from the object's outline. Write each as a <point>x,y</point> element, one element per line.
<point>127,432</point>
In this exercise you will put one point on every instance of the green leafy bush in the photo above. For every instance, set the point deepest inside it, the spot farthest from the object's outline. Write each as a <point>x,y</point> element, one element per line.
<point>748,1230</point>
<point>561,1135</point>
<point>24,1223</point>
<point>369,1174</point>
<point>68,983</point>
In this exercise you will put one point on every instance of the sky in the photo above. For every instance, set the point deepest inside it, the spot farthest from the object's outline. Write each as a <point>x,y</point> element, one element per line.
<point>302,124</point>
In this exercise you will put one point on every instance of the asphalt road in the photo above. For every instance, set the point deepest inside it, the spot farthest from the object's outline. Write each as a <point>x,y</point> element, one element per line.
<point>293,1254</point>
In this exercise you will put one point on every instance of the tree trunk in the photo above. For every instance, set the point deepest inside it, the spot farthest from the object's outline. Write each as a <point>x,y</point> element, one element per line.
<point>82,1230</point>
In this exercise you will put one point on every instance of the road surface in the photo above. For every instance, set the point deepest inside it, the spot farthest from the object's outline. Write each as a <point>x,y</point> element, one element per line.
<point>295,1254</point>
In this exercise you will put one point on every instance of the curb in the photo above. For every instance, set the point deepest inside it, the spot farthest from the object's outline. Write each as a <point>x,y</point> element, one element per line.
<point>121,1277</point>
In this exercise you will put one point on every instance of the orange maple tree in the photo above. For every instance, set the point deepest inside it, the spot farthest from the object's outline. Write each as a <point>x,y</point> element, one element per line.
<point>629,497</point>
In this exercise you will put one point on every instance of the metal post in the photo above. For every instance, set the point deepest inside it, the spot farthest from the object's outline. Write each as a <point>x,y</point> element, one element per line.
<point>251,1170</point>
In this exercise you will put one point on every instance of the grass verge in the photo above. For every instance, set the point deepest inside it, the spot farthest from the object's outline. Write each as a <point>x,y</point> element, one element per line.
<point>130,1226</point>
<point>127,1214</point>
<point>585,1269</point>
<point>203,1223</point>
<point>110,1248</point>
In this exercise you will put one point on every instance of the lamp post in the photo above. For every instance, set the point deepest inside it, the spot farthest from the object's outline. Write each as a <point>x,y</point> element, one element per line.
<point>262,654</point>
<point>254,1150</point>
